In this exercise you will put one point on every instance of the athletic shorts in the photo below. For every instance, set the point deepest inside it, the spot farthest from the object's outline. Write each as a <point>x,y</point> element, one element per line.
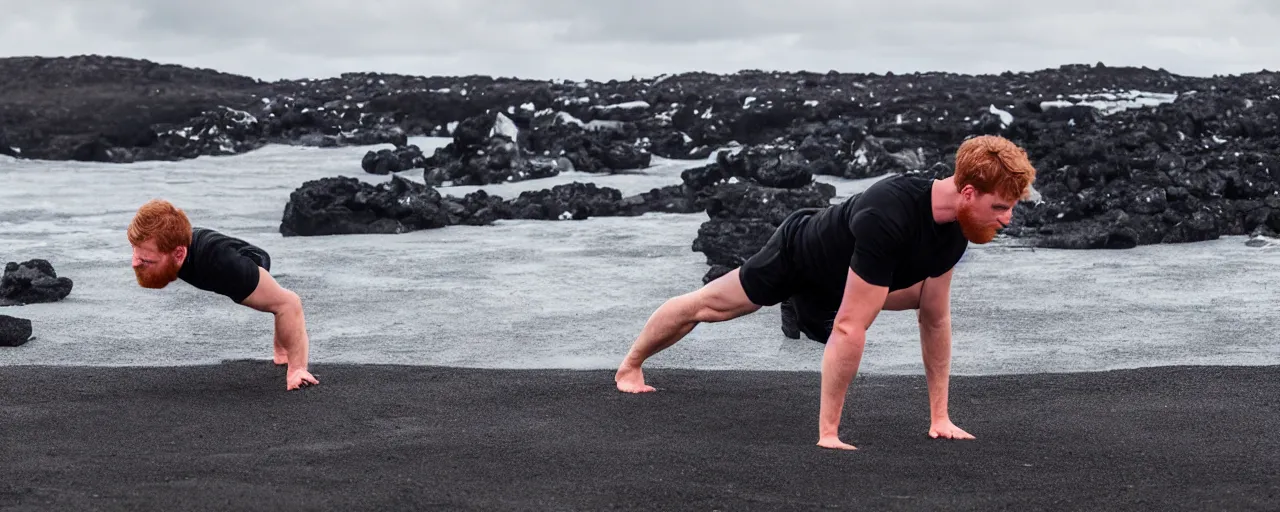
<point>770,277</point>
<point>258,255</point>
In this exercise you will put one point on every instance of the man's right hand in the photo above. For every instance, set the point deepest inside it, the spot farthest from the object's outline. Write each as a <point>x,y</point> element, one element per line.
<point>299,378</point>
<point>834,443</point>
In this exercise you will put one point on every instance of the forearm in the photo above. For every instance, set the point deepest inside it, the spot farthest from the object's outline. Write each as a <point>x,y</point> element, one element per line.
<point>840,363</point>
<point>935,346</point>
<point>291,327</point>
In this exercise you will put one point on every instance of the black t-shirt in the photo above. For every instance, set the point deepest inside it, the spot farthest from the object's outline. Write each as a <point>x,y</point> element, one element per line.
<point>887,235</point>
<point>218,263</point>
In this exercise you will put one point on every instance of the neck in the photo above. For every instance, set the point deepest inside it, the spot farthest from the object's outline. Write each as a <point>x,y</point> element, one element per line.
<point>946,199</point>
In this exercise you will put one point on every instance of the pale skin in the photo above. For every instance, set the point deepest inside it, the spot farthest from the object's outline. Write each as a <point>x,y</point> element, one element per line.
<point>290,344</point>
<point>724,299</point>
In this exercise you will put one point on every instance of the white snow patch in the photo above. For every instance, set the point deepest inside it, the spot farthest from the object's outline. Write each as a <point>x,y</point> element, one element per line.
<point>811,103</point>
<point>598,125</point>
<point>1006,118</point>
<point>747,102</point>
<point>624,105</point>
<point>567,118</point>
<point>503,125</point>
<point>1109,103</point>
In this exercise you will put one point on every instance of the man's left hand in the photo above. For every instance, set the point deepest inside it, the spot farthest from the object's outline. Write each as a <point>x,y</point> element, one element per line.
<point>947,430</point>
<point>299,378</point>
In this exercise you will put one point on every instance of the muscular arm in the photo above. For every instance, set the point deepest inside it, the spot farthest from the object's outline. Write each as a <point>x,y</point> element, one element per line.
<point>935,346</point>
<point>935,341</point>
<point>290,325</point>
<point>858,309</point>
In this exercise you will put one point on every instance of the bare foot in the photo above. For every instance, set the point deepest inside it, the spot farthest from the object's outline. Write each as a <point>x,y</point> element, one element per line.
<point>631,380</point>
<point>835,443</point>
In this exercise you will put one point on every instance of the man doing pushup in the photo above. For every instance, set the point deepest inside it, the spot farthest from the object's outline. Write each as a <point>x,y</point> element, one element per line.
<point>893,247</point>
<point>166,248</point>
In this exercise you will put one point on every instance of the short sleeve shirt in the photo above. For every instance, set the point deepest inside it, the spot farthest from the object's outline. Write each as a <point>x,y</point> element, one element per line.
<point>886,235</point>
<point>216,262</point>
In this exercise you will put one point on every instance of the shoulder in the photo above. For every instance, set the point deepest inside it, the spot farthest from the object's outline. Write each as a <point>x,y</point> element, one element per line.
<point>200,238</point>
<point>210,247</point>
<point>902,187</point>
<point>894,193</point>
<point>896,199</point>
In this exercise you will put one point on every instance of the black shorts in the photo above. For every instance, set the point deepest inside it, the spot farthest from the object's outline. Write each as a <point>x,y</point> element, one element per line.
<point>770,277</point>
<point>258,255</point>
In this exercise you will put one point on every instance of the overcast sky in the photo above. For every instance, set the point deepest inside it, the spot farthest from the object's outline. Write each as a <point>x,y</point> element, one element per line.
<point>604,39</point>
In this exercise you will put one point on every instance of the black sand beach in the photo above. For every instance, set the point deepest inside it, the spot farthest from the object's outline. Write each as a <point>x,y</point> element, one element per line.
<point>228,437</point>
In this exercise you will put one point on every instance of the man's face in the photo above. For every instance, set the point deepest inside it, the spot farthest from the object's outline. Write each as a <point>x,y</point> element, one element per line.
<point>156,269</point>
<point>982,215</point>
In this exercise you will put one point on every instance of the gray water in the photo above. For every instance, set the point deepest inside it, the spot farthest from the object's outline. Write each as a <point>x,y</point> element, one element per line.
<point>573,294</point>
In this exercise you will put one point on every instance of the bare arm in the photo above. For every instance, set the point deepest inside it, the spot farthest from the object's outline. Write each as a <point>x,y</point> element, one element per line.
<point>858,309</point>
<point>935,347</point>
<point>935,341</point>
<point>290,325</point>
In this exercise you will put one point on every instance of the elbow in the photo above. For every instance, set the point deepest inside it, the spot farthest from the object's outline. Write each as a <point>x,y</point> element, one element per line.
<point>848,329</point>
<point>293,302</point>
<point>289,304</point>
<point>933,321</point>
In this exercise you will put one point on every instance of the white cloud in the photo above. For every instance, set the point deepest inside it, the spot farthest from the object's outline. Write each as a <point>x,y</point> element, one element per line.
<point>599,39</point>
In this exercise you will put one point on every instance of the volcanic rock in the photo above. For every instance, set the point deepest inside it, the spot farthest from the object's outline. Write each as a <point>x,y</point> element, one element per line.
<point>14,332</point>
<point>1126,155</point>
<point>746,195</point>
<point>495,148</point>
<point>32,282</point>
<point>344,205</point>
<point>386,161</point>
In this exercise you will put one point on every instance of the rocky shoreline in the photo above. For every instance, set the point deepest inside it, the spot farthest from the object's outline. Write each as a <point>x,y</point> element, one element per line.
<point>1126,156</point>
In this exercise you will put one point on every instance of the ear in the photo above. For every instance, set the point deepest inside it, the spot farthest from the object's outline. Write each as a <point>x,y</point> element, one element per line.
<point>180,253</point>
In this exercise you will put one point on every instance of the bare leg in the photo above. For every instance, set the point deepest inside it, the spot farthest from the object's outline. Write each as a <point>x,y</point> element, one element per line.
<point>720,300</point>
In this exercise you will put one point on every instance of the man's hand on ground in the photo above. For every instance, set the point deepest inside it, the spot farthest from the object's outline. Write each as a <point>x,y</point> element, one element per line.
<point>946,430</point>
<point>299,378</point>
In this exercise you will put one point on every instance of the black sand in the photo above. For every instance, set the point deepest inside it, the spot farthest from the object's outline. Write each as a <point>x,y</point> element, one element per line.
<point>229,437</point>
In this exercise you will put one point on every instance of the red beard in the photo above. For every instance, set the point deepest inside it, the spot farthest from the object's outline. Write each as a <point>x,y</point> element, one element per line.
<point>974,230</point>
<point>158,276</point>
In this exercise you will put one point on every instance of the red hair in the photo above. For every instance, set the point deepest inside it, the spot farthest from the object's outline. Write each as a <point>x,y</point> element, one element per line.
<point>994,164</point>
<point>163,222</point>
